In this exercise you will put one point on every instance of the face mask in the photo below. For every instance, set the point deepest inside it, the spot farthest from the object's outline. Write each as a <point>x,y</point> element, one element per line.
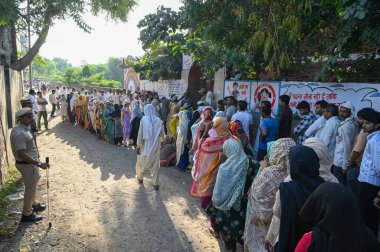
<point>212,133</point>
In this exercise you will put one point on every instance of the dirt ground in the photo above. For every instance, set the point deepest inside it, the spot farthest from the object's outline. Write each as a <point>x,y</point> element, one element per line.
<point>96,203</point>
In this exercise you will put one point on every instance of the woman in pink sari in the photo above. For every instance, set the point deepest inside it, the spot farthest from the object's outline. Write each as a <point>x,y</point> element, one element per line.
<point>209,156</point>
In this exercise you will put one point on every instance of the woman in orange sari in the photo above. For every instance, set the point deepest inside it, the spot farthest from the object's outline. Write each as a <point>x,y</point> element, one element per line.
<point>209,156</point>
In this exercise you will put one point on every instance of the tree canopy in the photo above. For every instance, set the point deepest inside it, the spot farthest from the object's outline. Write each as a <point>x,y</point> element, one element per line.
<point>271,38</point>
<point>43,13</point>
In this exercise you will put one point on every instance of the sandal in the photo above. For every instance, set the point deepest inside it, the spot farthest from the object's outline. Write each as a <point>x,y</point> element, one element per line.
<point>213,232</point>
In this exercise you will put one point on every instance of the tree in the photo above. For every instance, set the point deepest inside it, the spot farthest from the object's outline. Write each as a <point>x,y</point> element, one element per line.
<point>115,70</point>
<point>41,18</point>
<point>86,71</point>
<point>72,75</point>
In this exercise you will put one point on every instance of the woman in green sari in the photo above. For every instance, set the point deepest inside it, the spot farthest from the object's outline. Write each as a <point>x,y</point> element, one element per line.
<point>108,123</point>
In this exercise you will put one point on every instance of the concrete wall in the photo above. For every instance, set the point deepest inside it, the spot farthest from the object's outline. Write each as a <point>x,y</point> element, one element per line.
<point>219,84</point>
<point>11,92</point>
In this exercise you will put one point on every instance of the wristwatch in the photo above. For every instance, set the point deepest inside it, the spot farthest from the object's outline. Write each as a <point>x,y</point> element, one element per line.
<point>39,164</point>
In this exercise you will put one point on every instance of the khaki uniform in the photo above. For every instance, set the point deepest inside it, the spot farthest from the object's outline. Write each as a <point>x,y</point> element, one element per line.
<point>22,139</point>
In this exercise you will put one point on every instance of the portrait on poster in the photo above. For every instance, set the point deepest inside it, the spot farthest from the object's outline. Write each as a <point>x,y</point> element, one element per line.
<point>240,90</point>
<point>265,91</point>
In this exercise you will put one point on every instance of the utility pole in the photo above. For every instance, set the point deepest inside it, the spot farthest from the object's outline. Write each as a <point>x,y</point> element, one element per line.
<point>30,66</point>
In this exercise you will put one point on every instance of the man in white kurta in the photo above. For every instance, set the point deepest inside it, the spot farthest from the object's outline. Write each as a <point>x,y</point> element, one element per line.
<point>149,139</point>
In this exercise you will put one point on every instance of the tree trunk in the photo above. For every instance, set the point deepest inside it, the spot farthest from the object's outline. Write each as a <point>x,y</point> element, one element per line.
<point>25,61</point>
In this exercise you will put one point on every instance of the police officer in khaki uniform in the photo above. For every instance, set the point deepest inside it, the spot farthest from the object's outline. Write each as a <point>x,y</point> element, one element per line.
<point>26,154</point>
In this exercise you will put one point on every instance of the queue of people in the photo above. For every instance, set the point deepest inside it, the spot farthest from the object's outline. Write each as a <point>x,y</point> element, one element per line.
<point>262,183</point>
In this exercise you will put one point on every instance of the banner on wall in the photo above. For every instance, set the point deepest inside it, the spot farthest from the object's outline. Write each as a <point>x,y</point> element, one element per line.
<point>360,94</point>
<point>265,91</point>
<point>131,80</point>
<point>163,88</point>
<point>240,90</point>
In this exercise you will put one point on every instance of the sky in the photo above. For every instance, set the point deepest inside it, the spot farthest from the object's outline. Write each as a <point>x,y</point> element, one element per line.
<point>108,39</point>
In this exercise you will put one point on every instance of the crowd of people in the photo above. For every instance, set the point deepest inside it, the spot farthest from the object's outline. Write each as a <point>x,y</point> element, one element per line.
<point>262,182</point>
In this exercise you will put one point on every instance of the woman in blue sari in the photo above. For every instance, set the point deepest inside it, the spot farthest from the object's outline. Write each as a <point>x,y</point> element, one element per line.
<point>108,123</point>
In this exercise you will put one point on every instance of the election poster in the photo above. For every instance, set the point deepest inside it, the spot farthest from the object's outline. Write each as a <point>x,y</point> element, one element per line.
<point>240,90</point>
<point>360,94</point>
<point>265,91</point>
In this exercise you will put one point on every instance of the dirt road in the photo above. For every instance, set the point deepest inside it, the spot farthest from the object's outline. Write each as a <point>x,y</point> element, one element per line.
<point>97,205</point>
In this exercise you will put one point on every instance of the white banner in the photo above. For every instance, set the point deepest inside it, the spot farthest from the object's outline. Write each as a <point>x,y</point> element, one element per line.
<point>360,94</point>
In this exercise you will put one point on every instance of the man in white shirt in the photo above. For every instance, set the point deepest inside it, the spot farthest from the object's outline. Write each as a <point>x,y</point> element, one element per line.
<point>320,108</point>
<point>116,97</point>
<point>41,102</point>
<point>102,96</point>
<point>329,131</point>
<point>108,95</point>
<point>243,116</point>
<point>53,101</point>
<point>345,140</point>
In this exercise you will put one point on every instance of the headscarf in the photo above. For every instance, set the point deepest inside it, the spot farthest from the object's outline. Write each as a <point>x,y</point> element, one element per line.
<point>236,128</point>
<point>194,119</point>
<point>136,111</point>
<point>73,100</point>
<point>209,117</point>
<point>209,98</point>
<point>182,128</point>
<point>338,225</point>
<point>156,105</point>
<point>208,156</point>
<point>231,177</point>
<point>151,130</point>
<point>304,172</point>
<point>266,183</point>
<point>349,105</point>
<point>270,146</point>
<point>325,159</point>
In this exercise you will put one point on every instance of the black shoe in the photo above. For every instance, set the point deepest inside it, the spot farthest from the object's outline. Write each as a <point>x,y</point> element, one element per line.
<point>156,187</point>
<point>31,218</point>
<point>38,207</point>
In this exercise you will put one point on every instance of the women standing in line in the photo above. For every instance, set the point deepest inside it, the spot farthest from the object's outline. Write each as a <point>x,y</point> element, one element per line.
<point>181,143</point>
<point>209,156</point>
<point>64,107</point>
<point>135,120</point>
<point>229,198</point>
<point>126,122</point>
<point>108,123</point>
<point>304,172</point>
<point>338,225</point>
<point>118,128</point>
<point>263,194</point>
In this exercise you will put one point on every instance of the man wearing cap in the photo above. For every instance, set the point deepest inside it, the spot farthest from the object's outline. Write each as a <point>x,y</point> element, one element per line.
<point>26,155</point>
<point>345,140</point>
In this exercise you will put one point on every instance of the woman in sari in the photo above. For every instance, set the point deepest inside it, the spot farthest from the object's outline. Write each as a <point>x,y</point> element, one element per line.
<point>79,111</point>
<point>99,119</point>
<point>135,120</point>
<point>168,152</point>
<point>92,112</point>
<point>263,194</point>
<point>181,143</point>
<point>86,121</point>
<point>126,123</point>
<point>63,110</point>
<point>118,128</point>
<point>108,123</point>
<point>325,163</point>
<point>229,198</point>
<point>203,127</point>
<point>236,128</point>
<point>209,156</point>
<point>156,105</point>
<point>174,109</point>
